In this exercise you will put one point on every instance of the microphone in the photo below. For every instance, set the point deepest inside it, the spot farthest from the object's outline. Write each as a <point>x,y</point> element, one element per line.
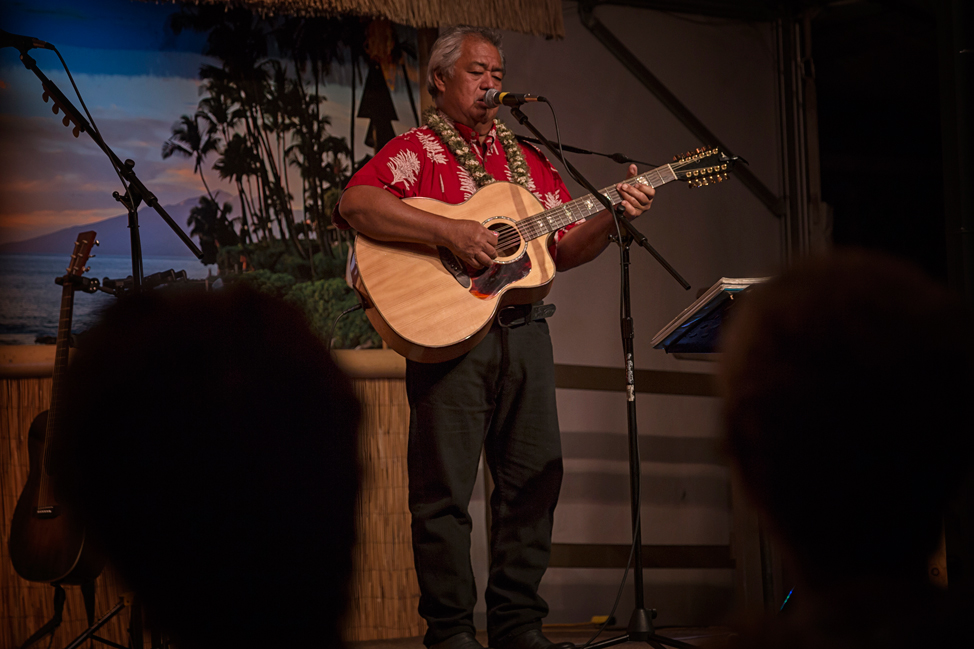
<point>494,98</point>
<point>22,43</point>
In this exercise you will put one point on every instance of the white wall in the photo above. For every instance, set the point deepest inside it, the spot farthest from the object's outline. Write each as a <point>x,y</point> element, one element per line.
<point>725,73</point>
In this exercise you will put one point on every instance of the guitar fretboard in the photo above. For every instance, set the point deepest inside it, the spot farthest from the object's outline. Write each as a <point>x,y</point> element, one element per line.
<point>45,499</point>
<point>558,217</point>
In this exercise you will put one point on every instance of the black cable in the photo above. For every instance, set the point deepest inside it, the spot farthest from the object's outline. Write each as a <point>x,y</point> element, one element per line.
<point>73,85</point>
<point>568,168</point>
<point>334,324</point>
<point>85,107</point>
<point>625,576</point>
<point>615,157</point>
<point>561,152</point>
<point>95,127</point>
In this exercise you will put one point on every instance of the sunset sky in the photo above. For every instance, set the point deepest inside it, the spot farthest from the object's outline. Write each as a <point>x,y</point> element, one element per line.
<point>137,78</point>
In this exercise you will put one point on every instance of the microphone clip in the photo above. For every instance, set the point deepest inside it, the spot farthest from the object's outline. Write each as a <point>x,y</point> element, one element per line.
<point>494,98</point>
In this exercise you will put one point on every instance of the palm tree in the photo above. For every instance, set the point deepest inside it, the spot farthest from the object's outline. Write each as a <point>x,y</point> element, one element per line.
<point>238,162</point>
<point>211,224</point>
<point>188,140</point>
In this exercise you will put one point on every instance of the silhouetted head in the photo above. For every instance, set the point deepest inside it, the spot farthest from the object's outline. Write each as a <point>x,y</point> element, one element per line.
<point>847,385</point>
<point>211,448</point>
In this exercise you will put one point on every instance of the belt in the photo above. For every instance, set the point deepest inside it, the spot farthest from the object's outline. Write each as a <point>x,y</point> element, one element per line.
<point>520,314</point>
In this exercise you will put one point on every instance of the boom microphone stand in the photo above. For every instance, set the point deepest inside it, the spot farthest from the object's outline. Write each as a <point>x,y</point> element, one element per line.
<point>136,192</point>
<point>640,628</point>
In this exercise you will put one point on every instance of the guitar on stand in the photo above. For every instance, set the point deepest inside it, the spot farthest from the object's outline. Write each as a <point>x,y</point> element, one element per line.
<point>46,542</point>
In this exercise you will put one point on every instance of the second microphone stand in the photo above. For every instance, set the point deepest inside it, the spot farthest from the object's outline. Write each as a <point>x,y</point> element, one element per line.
<point>136,191</point>
<point>640,627</point>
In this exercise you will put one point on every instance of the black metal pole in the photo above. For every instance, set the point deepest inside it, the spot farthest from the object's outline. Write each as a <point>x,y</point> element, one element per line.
<point>640,627</point>
<point>634,463</point>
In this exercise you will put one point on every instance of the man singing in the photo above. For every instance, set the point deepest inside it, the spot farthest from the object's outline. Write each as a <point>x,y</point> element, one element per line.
<point>500,396</point>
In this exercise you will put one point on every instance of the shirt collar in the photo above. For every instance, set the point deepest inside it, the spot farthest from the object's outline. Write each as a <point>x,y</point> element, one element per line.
<point>472,137</point>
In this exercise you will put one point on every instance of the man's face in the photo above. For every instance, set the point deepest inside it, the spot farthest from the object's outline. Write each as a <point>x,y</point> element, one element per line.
<point>478,69</point>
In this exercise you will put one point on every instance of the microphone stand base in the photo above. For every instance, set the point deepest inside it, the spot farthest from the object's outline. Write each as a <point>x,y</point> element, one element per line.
<point>641,629</point>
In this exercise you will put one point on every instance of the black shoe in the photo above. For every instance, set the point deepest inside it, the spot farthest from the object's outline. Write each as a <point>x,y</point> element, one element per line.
<point>531,639</point>
<point>462,640</point>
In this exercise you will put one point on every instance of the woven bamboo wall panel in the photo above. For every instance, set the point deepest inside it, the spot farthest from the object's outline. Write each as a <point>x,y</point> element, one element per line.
<point>385,594</point>
<point>26,606</point>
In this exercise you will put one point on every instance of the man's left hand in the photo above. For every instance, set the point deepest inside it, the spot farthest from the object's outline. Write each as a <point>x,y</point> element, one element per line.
<point>636,197</point>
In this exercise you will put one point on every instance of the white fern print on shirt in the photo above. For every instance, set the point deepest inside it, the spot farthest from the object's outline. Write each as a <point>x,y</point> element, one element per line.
<point>431,144</point>
<point>551,199</point>
<point>404,168</point>
<point>467,185</point>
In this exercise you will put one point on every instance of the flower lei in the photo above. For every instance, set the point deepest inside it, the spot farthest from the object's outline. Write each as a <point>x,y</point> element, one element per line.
<point>467,159</point>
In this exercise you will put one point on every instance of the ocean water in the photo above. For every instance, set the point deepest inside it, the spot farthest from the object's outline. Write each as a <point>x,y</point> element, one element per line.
<point>30,300</point>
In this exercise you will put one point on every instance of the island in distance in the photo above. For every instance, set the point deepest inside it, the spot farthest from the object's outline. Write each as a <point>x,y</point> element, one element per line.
<point>157,238</point>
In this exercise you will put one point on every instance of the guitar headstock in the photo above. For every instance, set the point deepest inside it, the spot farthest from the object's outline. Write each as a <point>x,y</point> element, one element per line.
<point>82,251</point>
<point>704,167</point>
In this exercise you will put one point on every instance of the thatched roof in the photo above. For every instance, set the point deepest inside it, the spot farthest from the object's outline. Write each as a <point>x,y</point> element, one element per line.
<point>536,17</point>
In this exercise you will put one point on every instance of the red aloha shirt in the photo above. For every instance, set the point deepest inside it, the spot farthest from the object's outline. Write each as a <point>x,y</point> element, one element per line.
<point>417,163</point>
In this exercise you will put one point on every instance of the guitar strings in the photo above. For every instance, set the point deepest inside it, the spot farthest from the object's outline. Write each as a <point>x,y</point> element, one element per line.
<point>560,216</point>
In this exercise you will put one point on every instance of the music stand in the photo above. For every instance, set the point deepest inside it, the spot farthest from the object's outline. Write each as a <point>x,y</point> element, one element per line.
<point>696,329</point>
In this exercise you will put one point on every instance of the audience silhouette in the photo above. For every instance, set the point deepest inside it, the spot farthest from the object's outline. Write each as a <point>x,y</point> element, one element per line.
<point>847,384</point>
<point>211,451</point>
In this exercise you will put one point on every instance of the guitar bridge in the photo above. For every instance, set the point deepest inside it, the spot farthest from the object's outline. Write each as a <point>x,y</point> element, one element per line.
<point>454,267</point>
<point>49,511</point>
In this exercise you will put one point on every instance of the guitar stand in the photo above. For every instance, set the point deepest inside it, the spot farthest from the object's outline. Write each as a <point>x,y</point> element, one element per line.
<point>54,622</point>
<point>640,628</point>
<point>88,593</point>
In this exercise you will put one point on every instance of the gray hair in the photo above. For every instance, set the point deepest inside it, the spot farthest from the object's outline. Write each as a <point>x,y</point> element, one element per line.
<point>446,51</point>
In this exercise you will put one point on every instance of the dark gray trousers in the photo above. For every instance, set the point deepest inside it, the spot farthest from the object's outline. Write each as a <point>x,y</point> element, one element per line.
<point>500,397</point>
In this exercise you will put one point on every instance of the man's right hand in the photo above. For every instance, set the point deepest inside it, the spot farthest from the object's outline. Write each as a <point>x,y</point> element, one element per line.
<point>474,244</point>
<point>377,213</point>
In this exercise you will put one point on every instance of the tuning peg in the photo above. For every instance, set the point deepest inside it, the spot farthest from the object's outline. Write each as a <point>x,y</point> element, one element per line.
<point>97,243</point>
<point>87,268</point>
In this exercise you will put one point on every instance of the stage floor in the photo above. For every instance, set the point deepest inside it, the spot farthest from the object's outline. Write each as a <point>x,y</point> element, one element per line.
<point>710,637</point>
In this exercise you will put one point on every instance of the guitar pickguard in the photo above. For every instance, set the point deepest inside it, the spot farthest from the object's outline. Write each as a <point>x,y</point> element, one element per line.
<point>493,279</point>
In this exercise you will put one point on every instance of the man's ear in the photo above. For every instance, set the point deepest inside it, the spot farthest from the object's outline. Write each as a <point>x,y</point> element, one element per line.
<point>439,81</point>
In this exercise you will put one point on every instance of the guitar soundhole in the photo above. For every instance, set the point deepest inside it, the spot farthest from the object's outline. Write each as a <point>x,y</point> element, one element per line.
<point>508,238</point>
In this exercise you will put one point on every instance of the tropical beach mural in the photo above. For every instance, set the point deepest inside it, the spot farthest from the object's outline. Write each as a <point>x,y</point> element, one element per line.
<point>245,128</point>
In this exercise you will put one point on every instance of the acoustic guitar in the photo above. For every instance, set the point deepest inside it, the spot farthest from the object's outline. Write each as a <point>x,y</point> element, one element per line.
<point>46,543</point>
<point>429,307</point>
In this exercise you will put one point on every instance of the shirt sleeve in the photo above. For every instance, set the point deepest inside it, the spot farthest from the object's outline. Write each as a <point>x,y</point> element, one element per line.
<point>397,168</point>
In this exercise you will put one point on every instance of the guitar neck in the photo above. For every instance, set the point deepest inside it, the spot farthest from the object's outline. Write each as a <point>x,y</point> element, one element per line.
<point>45,500</point>
<point>556,218</point>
